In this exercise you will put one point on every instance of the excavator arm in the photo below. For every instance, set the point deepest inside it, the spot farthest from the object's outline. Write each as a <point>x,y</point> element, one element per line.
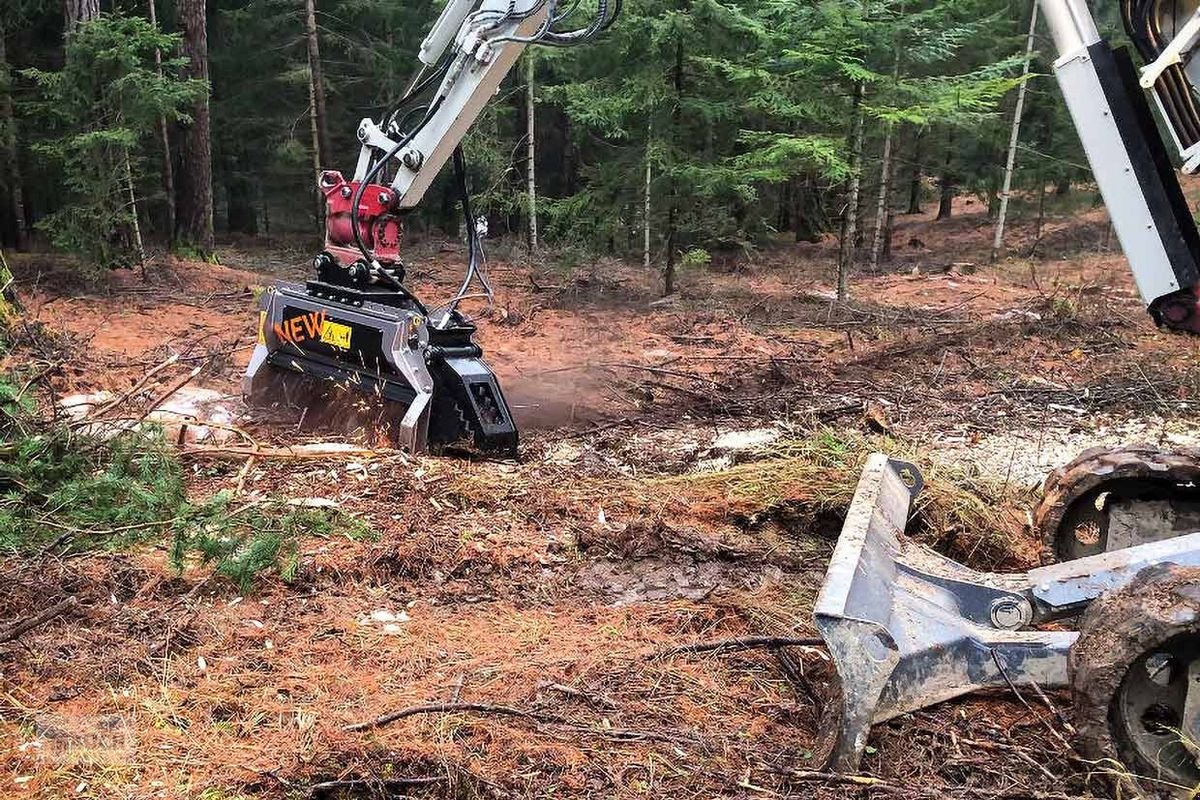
<point>355,326</point>
<point>1107,100</point>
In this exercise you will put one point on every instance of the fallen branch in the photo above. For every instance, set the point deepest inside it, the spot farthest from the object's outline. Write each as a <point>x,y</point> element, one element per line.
<point>744,643</point>
<point>37,620</point>
<point>387,784</point>
<point>448,708</point>
<point>170,390</point>
<point>836,777</point>
<point>620,734</point>
<point>587,697</point>
<point>297,452</point>
<point>119,401</point>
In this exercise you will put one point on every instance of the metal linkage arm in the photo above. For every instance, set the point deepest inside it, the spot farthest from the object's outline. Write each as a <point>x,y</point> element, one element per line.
<point>1130,163</point>
<point>908,628</point>
<point>487,43</point>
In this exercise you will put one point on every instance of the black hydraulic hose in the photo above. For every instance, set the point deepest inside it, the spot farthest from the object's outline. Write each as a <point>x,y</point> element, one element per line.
<point>473,247</point>
<point>438,73</point>
<point>374,171</point>
<point>1173,88</point>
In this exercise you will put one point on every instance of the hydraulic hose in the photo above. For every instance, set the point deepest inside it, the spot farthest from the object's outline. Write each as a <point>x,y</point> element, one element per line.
<point>374,171</point>
<point>1174,90</point>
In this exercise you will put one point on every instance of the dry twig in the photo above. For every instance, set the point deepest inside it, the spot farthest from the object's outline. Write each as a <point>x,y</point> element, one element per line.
<point>41,618</point>
<point>744,643</point>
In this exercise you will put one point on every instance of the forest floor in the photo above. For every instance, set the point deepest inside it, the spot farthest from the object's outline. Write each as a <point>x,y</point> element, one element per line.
<point>684,466</point>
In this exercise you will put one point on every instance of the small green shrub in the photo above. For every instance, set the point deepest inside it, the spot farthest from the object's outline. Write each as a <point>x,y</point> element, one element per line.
<point>243,542</point>
<point>696,257</point>
<point>74,492</point>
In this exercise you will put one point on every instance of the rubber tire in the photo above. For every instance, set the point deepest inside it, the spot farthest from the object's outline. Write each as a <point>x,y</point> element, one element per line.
<point>1161,602</point>
<point>1120,464</point>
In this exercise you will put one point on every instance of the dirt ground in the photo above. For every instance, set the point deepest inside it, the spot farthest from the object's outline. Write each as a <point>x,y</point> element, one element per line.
<point>546,590</point>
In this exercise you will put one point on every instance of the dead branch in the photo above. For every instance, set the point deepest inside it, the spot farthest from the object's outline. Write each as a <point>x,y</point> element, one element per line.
<point>620,734</point>
<point>744,643</point>
<point>448,708</point>
<point>117,402</point>
<point>172,389</point>
<point>386,784</point>
<point>241,453</point>
<point>837,777</point>
<point>37,620</point>
<point>587,697</point>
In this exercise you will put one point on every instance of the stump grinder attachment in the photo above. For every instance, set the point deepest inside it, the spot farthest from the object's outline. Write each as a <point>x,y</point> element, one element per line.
<point>908,628</point>
<point>381,345</point>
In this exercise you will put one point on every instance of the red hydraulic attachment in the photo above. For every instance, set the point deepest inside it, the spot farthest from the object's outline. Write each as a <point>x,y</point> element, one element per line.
<point>379,228</point>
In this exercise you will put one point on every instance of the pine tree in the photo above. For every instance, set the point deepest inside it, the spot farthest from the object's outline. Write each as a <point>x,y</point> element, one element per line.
<point>194,186</point>
<point>102,106</point>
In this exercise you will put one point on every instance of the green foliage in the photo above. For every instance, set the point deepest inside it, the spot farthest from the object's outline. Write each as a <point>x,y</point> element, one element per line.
<point>60,488</point>
<point>100,107</point>
<point>696,257</point>
<point>742,110</point>
<point>242,542</point>
<point>94,493</point>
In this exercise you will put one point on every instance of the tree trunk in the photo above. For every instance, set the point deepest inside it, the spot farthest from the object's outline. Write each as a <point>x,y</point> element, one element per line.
<point>850,214</point>
<point>646,207</point>
<point>10,168</point>
<point>673,211</point>
<point>914,180</point>
<point>314,130</point>
<point>316,109</point>
<point>164,136</point>
<point>946,185</point>
<point>1013,137</point>
<point>530,153</point>
<point>886,171</point>
<point>138,245</point>
<point>194,209</point>
<point>881,208</point>
<point>317,81</point>
<point>889,226</point>
<point>79,11</point>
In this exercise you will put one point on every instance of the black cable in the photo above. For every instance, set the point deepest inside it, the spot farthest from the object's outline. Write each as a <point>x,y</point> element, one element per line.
<point>473,246</point>
<point>438,73</point>
<point>374,170</point>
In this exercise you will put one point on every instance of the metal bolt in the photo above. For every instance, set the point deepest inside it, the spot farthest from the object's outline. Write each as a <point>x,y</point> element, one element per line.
<point>413,159</point>
<point>346,192</point>
<point>384,197</point>
<point>1008,613</point>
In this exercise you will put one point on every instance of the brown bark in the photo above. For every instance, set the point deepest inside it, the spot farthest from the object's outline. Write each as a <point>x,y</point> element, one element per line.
<point>10,169</point>
<point>194,193</point>
<point>850,215</point>
<point>946,185</point>
<point>316,82</point>
<point>77,11</point>
<point>914,178</point>
<point>673,211</point>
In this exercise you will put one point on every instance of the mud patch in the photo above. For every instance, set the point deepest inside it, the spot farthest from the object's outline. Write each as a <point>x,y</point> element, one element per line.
<point>658,579</point>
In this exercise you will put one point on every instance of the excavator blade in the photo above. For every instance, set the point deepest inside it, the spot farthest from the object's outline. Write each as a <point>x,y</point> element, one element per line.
<point>907,628</point>
<point>378,364</point>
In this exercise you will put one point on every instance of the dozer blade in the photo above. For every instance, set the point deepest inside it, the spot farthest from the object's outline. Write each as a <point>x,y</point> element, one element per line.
<point>907,628</point>
<point>383,352</point>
